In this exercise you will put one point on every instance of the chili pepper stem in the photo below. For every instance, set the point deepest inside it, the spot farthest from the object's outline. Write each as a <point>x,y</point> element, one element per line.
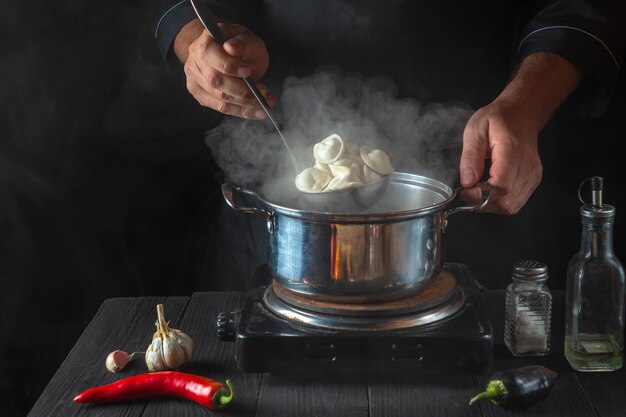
<point>222,400</point>
<point>495,392</point>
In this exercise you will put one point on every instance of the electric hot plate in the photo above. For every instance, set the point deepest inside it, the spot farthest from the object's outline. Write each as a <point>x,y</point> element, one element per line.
<point>444,328</point>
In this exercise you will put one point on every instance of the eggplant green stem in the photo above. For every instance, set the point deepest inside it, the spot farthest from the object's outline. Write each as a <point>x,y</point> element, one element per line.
<point>225,399</point>
<point>496,392</point>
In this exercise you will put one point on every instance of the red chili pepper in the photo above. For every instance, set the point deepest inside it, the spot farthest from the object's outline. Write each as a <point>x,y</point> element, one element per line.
<point>204,391</point>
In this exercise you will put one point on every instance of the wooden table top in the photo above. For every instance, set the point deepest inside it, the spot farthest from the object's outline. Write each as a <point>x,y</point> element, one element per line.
<point>128,324</point>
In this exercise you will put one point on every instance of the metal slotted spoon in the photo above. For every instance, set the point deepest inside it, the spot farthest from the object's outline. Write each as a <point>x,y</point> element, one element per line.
<point>341,200</point>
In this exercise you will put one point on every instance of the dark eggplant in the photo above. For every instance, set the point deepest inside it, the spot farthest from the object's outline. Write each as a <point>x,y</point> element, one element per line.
<point>521,386</point>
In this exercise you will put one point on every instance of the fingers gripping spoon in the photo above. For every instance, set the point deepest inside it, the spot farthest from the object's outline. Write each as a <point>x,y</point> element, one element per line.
<point>206,17</point>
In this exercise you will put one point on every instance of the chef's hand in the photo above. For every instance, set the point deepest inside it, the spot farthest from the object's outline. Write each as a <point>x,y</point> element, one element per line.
<point>214,72</point>
<point>507,129</point>
<point>499,132</point>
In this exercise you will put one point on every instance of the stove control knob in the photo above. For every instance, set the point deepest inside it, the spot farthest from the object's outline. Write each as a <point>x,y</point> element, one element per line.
<point>226,326</point>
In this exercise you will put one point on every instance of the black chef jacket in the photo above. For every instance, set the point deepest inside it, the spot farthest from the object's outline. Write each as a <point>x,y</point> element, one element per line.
<point>445,44</point>
<point>434,52</point>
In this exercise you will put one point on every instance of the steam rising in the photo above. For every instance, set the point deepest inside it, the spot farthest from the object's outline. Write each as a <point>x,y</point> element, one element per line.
<point>424,139</point>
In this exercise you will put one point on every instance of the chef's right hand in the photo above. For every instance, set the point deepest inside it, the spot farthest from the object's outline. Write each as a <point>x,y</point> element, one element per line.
<point>214,72</point>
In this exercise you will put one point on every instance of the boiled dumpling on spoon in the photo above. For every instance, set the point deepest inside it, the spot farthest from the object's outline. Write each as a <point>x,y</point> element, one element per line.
<point>344,167</point>
<point>328,150</point>
<point>340,165</point>
<point>369,175</point>
<point>376,159</point>
<point>344,181</point>
<point>346,174</point>
<point>312,180</point>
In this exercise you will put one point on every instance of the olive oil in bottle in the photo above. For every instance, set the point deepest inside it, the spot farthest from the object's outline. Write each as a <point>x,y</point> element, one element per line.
<point>594,321</point>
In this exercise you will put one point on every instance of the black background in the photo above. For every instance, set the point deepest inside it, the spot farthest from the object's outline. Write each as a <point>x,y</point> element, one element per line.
<point>107,188</point>
<point>106,185</point>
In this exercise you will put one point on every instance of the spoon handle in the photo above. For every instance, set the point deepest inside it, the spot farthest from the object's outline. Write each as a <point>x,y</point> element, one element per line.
<point>206,17</point>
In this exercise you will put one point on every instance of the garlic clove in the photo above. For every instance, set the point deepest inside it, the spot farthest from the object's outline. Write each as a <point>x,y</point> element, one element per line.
<point>185,342</point>
<point>154,355</point>
<point>173,354</point>
<point>117,360</point>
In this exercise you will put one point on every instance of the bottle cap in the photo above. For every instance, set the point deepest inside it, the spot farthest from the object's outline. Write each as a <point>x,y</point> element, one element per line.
<point>604,212</point>
<point>597,209</point>
<point>530,271</point>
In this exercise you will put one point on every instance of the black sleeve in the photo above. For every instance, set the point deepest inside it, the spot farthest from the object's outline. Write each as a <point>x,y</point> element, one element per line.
<point>172,15</point>
<point>591,34</point>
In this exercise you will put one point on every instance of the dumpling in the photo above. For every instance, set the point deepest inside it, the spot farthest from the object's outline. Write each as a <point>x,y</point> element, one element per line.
<point>323,167</point>
<point>328,150</point>
<point>376,159</point>
<point>312,180</point>
<point>369,175</point>
<point>344,181</point>
<point>344,167</point>
<point>340,165</point>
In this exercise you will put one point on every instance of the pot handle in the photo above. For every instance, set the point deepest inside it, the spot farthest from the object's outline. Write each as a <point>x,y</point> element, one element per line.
<point>485,191</point>
<point>228,191</point>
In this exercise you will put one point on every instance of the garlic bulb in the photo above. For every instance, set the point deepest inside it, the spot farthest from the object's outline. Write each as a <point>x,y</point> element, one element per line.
<point>170,348</point>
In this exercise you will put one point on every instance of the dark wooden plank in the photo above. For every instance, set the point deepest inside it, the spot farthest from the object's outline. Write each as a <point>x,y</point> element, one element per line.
<point>212,358</point>
<point>606,391</point>
<point>120,323</point>
<point>423,395</point>
<point>128,324</point>
<point>568,397</point>
<point>319,396</point>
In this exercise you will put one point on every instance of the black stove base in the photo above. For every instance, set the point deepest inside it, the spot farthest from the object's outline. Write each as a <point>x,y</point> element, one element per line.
<point>267,343</point>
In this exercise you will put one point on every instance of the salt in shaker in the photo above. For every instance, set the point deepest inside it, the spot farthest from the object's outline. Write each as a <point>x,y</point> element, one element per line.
<point>528,310</point>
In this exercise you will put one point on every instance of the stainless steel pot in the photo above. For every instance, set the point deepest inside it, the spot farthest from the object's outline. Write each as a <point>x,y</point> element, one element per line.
<point>387,251</point>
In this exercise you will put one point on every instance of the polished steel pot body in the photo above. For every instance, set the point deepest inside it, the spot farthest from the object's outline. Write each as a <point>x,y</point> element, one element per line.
<point>388,251</point>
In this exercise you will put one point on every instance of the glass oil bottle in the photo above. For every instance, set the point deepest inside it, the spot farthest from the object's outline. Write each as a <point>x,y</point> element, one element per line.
<point>594,321</point>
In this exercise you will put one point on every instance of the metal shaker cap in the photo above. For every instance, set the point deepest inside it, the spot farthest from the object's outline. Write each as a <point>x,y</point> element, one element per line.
<point>530,271</point>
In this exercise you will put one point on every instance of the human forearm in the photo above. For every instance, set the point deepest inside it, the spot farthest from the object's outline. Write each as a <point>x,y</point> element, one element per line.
<point>543,81</point>
<point>506,131</point>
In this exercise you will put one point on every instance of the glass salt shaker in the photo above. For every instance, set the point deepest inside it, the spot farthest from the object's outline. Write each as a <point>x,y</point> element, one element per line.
<point>528,310</point>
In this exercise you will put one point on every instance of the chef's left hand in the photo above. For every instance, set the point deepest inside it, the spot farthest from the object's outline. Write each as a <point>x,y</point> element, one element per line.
<point>506,131</point>
<point>501,132</point>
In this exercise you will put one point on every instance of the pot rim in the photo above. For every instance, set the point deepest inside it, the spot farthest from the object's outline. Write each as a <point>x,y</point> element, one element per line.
<point>447,193</point>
